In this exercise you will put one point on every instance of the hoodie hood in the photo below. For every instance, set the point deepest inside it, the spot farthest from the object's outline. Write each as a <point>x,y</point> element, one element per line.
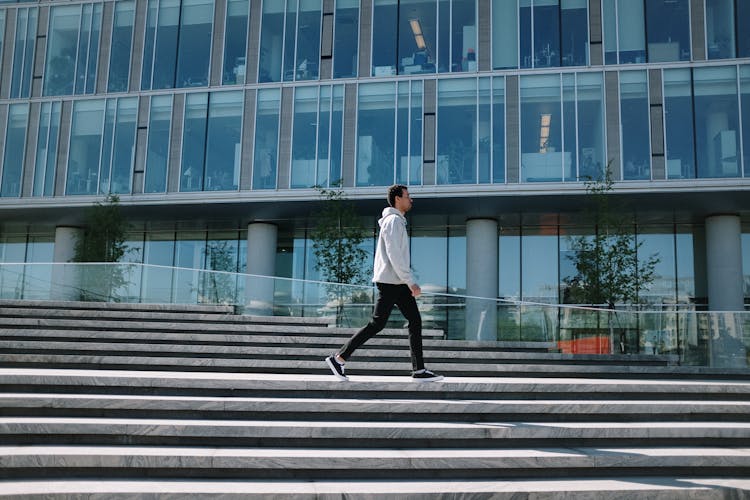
<point>387,212</point>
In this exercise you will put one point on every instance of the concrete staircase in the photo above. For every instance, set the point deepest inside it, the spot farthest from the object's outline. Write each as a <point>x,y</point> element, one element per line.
<point>127,401</point>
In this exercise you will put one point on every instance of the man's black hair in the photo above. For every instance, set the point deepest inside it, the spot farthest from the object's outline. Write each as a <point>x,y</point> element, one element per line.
<point>394,191</point>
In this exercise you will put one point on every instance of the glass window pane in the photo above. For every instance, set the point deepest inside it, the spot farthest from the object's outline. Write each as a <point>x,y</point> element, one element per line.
<point>464,35</point>
<point>541,129</point>
<point>417,36</point>
<point>635,125</point>
<point>190,254</point>
<point>110,116</point>
<point>346,39</point>
<point>157,152</point>
<point>570,140</point>
<point>609,31</point>
<point>15,145</point>
<point>166,24</point>
<point>574,22</point>
<point>376,134</point>
<point>120,48</point>
<point>271,42</point>
<point>668,24</point>
<point>266,139</point>
<point>123,158</point>
<point>539,264</point>
<point>591,142</point>
<point>46,151</point>
<point>415,134</point>
<point>720,26</point>
<point>658,240</point>
<point>498,129</point>
<point>716,121</point>
<point>223,151</point>
<point>308,40</point>
<point>402,133</point>
<point>235,42</point>
<point>685,258</point>
<point>457,131</point>
<point>504,34</point>
<point>194,142</point>
<point>59,73</point>
<point>745,91</point>
<point>23,52</point>
<point>337,135</point>
<point>631,32</point>
<point>678,124</point>
<point>85,147</point>
<point>385,14</point>
<point>444,42</point>
<point>743,35</point>
<point>485,130</point>
<point>324,130</point>
<point>196,26</point>
<point>88,49</point>
<point>290,31</point>
<point>2,36</point>
<point>546,26</point>
<point>304,137</point>
<point>430,269</point>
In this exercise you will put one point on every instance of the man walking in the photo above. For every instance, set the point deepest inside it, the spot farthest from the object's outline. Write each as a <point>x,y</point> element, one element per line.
<point>396,286</point>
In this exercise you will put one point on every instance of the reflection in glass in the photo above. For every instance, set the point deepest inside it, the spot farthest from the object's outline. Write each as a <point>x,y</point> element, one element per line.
<point>265,156</point>
<point>376,129</point>
<point>60,71</point>
<point>624,32</point>
<point>15,140</point>
<point>346,39</point>
<point>546,33</point>
<point>415,134</point>
<point>157,152</point>
<point>570,147</point>
<point>668,23</point>
<point>685,260</point>
<point>485,131</point>
<point>120,48</point>
<point>635,125</point>
<point>385,14</point>
<point>160,44</point>
<point>235,42</point>
<point>464,46</point>
<point>304,137</point>
<point>498,129</point>
<point>402,140</point>
<point>194,142</point>
<point>290,41</point>
<point>746,265</point>
<point>539,281</point>
<point>159,250</point>
<point>574,26</point>
<point>504,34</point>
<point>23,52</point>
<point>85,147</point>
<point>417,36</point>
<point>2,36</point>
<point>720,29</point>
<point>542,154</point>
<point>658,240</point>
<point>123,152</point>
<point>743,35</point>
<point>716,121</point>
<point>223,147</point>
<point>678,123</point>
<point>194,52</point>
<point>457,131</point>
<point>337,135</point>
<point>590,115</point>
<point>745,104</point>
<point>46,150</point>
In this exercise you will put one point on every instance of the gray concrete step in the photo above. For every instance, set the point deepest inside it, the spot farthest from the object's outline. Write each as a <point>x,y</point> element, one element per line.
<point>42,305</point>
<point>571,488</point>
<point>363,434</point>
<point>298,463</point>
<point>128,382</point>
<point>435,352</point>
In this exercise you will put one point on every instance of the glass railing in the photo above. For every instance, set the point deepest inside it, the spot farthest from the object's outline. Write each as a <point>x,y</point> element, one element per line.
<point>684,335</point>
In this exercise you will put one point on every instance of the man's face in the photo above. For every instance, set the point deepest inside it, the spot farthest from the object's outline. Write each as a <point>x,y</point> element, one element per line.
<point>404,202</point>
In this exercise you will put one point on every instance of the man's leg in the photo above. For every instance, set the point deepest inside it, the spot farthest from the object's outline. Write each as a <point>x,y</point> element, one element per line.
<point>408,306</point>
<point>387,295</point>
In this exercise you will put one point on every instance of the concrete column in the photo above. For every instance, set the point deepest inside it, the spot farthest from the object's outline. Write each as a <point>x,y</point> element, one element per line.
<point>65,278</point>
<point>481,279</point>
<point>261,266</point>
<point>724,276</point>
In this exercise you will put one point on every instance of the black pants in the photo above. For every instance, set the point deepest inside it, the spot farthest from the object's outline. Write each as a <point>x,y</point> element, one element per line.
<point>388,296</point>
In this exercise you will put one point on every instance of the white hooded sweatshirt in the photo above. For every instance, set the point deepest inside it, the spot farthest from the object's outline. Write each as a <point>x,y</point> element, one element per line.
<point>392,262</point>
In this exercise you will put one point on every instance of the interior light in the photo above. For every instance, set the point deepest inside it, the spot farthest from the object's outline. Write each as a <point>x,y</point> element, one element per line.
<point>544,124</point>
<point>416,29</point>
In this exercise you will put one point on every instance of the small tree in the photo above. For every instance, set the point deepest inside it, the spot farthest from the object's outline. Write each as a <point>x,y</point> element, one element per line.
<point>337,243</point>
<point>103,241</point>
<point>608,270</point>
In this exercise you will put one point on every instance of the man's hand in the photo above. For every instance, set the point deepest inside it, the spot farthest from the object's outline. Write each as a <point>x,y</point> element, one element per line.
<point>415,290</point>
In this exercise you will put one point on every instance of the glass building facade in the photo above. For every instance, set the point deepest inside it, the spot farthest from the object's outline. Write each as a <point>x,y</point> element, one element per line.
<point>206,117</point>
